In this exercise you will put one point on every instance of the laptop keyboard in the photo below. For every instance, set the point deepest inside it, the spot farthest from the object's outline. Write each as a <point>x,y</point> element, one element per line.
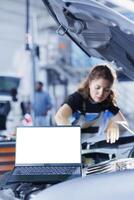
<point>46,170</point>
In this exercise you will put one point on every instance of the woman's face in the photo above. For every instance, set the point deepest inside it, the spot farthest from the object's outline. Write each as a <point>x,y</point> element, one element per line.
<point>99,89</point>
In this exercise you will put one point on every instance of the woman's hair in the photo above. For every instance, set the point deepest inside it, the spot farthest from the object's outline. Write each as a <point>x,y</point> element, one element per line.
<point>97,72</point>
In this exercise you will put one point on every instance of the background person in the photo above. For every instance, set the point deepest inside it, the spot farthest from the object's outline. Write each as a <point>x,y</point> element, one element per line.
<point>93,105</point>
<point>26,105</point>
<point>42,105</point>
<point>15,114</point>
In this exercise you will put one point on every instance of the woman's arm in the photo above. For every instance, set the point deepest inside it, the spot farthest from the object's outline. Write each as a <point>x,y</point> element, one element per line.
<point>112,132</point>
<point>63,114</point>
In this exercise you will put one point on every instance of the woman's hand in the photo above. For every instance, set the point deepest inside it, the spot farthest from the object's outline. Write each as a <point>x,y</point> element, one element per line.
<point>112,132</point>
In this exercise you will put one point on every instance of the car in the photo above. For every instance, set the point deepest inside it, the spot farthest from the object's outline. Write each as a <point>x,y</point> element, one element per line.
<point>105,34</point>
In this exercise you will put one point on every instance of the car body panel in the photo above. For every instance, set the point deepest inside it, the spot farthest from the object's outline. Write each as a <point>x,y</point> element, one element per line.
<point>100,186</point>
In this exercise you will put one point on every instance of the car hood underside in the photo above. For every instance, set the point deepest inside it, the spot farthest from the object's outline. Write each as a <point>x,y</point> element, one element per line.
<point>98,30</point>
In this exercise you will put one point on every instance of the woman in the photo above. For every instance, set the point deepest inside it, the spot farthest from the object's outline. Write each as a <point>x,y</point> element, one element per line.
<point>93,105</point>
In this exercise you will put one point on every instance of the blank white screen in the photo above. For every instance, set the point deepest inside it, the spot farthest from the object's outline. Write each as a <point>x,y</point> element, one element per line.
<point>37,145</point>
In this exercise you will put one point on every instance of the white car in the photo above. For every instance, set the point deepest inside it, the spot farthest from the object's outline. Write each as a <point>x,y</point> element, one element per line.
<point>102,33</point>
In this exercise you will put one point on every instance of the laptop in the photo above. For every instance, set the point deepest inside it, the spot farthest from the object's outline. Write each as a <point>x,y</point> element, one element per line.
<point>47,154</point>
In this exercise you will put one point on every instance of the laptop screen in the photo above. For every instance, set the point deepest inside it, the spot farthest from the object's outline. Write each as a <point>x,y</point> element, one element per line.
<point>40,145</point>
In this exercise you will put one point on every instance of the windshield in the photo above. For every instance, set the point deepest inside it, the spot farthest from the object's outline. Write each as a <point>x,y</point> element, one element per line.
<point>8,83</point>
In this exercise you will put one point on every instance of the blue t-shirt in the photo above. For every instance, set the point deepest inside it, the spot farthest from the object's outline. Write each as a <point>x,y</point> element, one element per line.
<point>42,103</point>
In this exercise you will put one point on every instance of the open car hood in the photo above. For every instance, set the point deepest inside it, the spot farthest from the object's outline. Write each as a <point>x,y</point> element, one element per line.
<point>98,30</point>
